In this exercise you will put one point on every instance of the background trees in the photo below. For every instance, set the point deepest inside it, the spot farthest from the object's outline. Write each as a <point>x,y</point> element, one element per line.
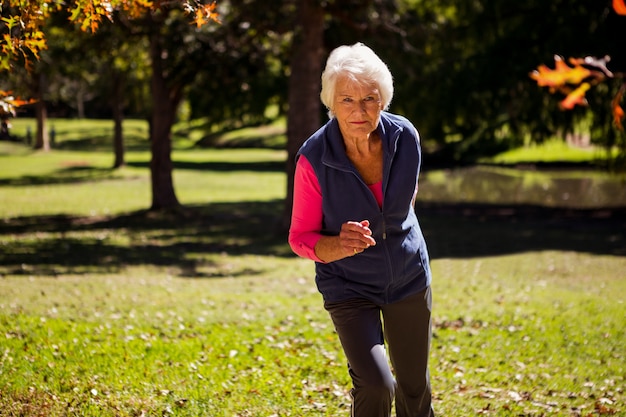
<point>172,50</point>
<point>577,76</point>
<point>460,67</point>
<point>474,58</point>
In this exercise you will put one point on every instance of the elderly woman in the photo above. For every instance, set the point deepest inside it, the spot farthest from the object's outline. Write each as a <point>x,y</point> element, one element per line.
<point>353,214</point>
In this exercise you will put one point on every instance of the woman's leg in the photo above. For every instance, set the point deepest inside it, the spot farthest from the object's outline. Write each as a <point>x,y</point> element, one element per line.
<point>408,333</point>
<point>358,325</point>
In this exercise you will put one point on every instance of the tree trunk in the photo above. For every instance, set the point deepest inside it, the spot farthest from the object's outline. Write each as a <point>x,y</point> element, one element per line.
<point>80,99</point>
<point>118,137</point>
<point>303,115</point>
<point>117,106</point>
<point>42,139</point>
<point>165,99</point>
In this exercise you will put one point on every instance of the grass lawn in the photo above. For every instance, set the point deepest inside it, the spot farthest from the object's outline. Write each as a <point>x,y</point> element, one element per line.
<point>106,310</point>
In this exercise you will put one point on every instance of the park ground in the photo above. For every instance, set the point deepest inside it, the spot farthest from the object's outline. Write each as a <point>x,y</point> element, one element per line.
<point>109,310</point>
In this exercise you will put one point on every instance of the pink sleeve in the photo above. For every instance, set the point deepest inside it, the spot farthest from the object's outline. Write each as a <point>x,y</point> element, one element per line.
<point>306,217</point>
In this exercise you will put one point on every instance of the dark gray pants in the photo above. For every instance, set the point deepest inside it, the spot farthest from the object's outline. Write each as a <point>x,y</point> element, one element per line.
<point>406,329</point>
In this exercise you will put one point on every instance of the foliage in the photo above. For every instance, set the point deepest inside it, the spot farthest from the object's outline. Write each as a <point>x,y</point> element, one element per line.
<point>584,73</point>
<point>575,81</point>
<point>9,103</point>
<point>462,75</point>
<point>246,66</point>
<point>460,67</point>
<point>22,25</point>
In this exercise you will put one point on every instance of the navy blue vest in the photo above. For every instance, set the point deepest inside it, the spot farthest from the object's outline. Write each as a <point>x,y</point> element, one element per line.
<point>398,265</point>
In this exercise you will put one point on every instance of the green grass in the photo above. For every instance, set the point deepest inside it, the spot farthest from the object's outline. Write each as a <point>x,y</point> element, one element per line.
<point>106,310</point>
<point>40,183</point>
<point>554,150</point>
<point>85,134</point>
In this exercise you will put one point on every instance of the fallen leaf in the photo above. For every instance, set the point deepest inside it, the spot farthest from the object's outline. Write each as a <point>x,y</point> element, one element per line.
<point>515,396</point>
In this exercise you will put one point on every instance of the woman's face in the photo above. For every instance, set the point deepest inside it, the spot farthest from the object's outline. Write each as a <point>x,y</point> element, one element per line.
<point>357,107</point>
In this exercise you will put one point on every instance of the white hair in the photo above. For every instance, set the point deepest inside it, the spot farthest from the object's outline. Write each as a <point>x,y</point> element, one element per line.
<point>361,64</point>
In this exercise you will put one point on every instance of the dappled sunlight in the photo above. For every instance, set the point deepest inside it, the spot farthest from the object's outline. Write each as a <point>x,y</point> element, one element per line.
<point>537,332</point>
<point>185,243</point>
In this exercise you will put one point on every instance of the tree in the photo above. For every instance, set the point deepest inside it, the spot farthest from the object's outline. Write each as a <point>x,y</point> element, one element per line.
<point>163,23</point>
<point>303,117</point>
<point>248,70</point>
<point>33,84</point>
<point>575,81</point>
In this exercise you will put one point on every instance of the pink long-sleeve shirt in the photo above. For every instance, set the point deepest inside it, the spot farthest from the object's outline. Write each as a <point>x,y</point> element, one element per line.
<point>306,217</point>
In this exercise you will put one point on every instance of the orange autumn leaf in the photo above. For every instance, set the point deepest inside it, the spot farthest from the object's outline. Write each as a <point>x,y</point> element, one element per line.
<point>199,20</point>
<point>206,13</point>
<point>561,74</point>
<point>7,97</point>
<point>89,15</point>
<point>575,97</point>
<point>620,7</point>
<point>618,115</point>
<point>618,110</point>
<point>9,103</point>
<point>20,102</point>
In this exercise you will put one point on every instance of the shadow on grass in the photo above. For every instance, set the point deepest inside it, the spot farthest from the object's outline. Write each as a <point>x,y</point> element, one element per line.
<point>185,241</point>
<point>100,138</point>
<point>53,245</point>
<point>477,230</point>
<point>101,143</point>
<point>76,172</point>
<point>67,175</point>
<point>255,166</point>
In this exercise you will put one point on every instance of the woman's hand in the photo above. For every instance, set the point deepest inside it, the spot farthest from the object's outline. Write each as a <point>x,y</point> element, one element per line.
<point>353,239</point>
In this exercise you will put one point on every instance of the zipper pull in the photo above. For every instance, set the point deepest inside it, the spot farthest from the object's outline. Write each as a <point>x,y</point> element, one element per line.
<point>384,230</point>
